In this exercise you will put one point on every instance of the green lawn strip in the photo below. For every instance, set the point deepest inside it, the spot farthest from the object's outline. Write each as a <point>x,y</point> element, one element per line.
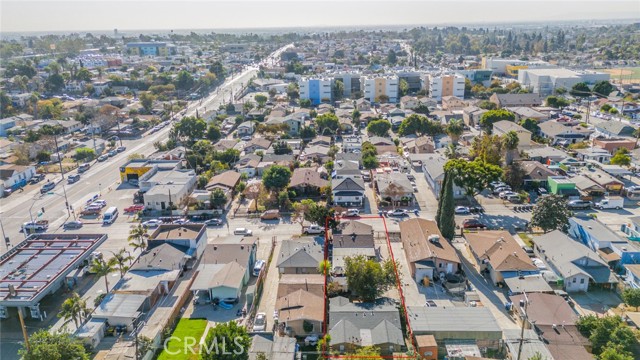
<point>186,328</point>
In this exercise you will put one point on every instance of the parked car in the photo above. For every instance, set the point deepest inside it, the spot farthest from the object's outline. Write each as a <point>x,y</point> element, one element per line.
<point>101,203</point>
<point>260,322</point>
<point>121,149</point>
<point>497,184</point>
<point>473,224</point>
<point>73,178</point>
<point>351,213</point>
<point>84,167</point>
<point>242,231</point>
<point>313,230</point>
<point>500,189</point>
<point>578,204</point>
<point>462,210</point>
<point>152,223</point>
<point>75,224</point>
<point>213,222</point>
<point>246,138</point>
<point>112,153</point>
<point>270,215</point>
<point>397,213</point>
<point>102,158</point>
<point>504,194</point>
<point>180,221</point>
<point>513,198</point>
<point>36,179</point>
<point>134,208</point>
<point>258,267</point>
<point>542,191</point>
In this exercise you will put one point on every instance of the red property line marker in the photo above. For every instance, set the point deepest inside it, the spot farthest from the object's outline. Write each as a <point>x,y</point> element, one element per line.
<point>325,353</point>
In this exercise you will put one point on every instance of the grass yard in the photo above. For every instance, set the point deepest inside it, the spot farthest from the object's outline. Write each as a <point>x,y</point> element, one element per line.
<point>630,75</point>
<point>186,328</point>
<point>526,238</point>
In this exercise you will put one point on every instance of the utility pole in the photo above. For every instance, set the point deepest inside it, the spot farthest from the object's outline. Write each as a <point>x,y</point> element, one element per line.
<point>523,306</point>
<point>24,329</point>
<point>55,140</point>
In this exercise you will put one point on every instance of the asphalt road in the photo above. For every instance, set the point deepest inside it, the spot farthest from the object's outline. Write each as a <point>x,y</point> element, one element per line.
<point>103,177</point>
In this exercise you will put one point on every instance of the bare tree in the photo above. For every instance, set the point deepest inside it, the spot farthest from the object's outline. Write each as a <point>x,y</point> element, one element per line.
<point>393,191</point>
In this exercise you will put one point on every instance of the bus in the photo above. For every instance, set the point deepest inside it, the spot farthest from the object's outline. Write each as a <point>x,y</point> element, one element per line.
<point>110,216</point>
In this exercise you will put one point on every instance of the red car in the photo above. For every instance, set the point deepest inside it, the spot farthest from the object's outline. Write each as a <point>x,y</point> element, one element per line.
<point>473,224</point>
<point>134,208</point>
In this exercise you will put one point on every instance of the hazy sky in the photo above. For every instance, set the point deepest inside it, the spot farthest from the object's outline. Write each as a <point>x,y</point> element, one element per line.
<point>86,15</point>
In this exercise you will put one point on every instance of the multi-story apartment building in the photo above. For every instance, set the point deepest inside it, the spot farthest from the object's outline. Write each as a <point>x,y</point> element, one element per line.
<point>151,49</point>
<point>316,89</point>
<point>446,85</point>
<point>373,87</point>
<point>351,81</point>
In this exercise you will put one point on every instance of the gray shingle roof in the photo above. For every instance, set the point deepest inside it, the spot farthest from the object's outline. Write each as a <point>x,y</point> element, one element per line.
<point>305,252</point>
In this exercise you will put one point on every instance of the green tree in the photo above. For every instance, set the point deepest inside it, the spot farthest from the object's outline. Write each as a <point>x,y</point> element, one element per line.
<point>392,58</point>
<point>74,308</point>
<point>119,261</point>
<point>337,89</point>
<point>510,142</point>
<point>213,133</point>
<point>83,75</point>
<point>54,83</point>
<point>492,116</point>
<point>367,278</point>
<point>370,162</point>
<point>327,121</point>
<point>230,339</point>
<point>217,69</point>
<point>550,213</point>
<point>403,87</point>
<point>412,124</point>
<point>293,92</point>
<point>607,332</point>
<point>514,175</point>
<point>487,105</point>
<point>615,353</point>
<point>556,101</point>
<point>276,177</point>
<point>85,154</point>
<point>621,157</point>
<point>218,198</point>
<point>580,89</point>
<point>45,345</point>
<point>300,210</point>
<point>421,109</point>
<point>364,352</point>
<point>379,127</point>
<point>603,88</point>
<point>137,236</point>
<point>260,99</point>
<point>184,80</point>
<point>631,297</point>
<point>321,215</point>
<point>454,129</point>
<point>50,109</point>
<point>307,132</point>
<point>146,100</point>
<point>531,125</point>
<point>43,156</point>
<point>446,221</point>
<point>191,127</point>
<point>472,176</point>
<point>102,269</point>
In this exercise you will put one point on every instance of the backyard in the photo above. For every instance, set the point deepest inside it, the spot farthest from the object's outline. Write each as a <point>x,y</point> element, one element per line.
<point>186,329</point>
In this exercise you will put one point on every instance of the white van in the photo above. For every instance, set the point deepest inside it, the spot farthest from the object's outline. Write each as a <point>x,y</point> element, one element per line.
<point>110,216</point>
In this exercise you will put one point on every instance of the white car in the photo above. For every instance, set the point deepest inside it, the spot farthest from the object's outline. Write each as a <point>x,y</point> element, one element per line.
<point>258,267</point>
<point>462,210</point>
<point>398,213</point>
<point>101,203</point>
<point>242,231</point>
<point>260,322</point>
<point>505,194</point>
<point>351,213</point>
<point>152,223</point>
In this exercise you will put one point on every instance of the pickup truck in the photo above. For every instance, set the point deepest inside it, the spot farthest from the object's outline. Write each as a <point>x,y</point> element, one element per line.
<point>134,208</point>
<point>612,202</point>
<point>313,229</point>
<point>40,225</point>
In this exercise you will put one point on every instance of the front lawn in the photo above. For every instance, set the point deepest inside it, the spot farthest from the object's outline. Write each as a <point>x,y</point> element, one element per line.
<point>186,328</point>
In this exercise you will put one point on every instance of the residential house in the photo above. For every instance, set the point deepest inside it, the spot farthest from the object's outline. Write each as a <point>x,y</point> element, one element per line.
<point>190,236</point>
<point>453,103</point>
<point>615,129</point>
<point>502,127</point>
<point>409,102</point>
<point>429,254</point>
<point>515,100</point>
<point>612,145</point>
<point>363,104</point>
<point>561,134</point>
<point>352,238</point>
<point>273,347</point>
<point>432,166</point>
<point>351,143</point>
<point>471,115</point>
<point>345,168</point>
<point>594,154</point>
<point>613,248</point>
<point>257,144</point>
<point>302,312</point>
<point>522,113</point>
<point>290,283</point>
<point>587,186</point>
<point>224,144</point>
<point>546,154</point>
<point>226,181</point>
<point>500,254</point>
<point>610,183</point>
<point>536,174</point>
<point>300,256</point>
<point>307,181</point>
<point>246,128</point>
<point>318,153</point>
<point>380,141</point>
<point>321,140</point>
<point>422,145</point>
<point>348,192</point>
<point>16,176</point>
<point>632,276</point>
<point>353,325</point>
<point>395,187</point>
<point>555,323</point>
<point>250,167</point>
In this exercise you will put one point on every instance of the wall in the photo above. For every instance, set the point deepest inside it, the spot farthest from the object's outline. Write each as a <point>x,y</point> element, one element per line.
<point>575,283</point>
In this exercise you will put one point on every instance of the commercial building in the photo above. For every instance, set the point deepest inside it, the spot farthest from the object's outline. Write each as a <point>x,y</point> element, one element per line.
<point>446,85</point>
<point>135,169</point>
<point>374,87</point>
<point>477,76</point>
<point>151,49</point>
<point>39,265</point>
<point>511,67</point>
<point>545,81</point>
<point>316,89</point>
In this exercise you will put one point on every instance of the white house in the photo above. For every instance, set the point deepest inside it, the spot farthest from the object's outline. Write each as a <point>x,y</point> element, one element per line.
<point>14,176</point>
<point>348,192</point>
<point>246,128</point>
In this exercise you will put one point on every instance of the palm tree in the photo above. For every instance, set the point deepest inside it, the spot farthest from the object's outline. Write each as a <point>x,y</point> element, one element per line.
<point>102,268</point>
<point>451,151</point>
<point>74,309</point>
<point>137,236</point>
<point>119,261</point>
<point>510,142</point>
<point>454,129</point>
